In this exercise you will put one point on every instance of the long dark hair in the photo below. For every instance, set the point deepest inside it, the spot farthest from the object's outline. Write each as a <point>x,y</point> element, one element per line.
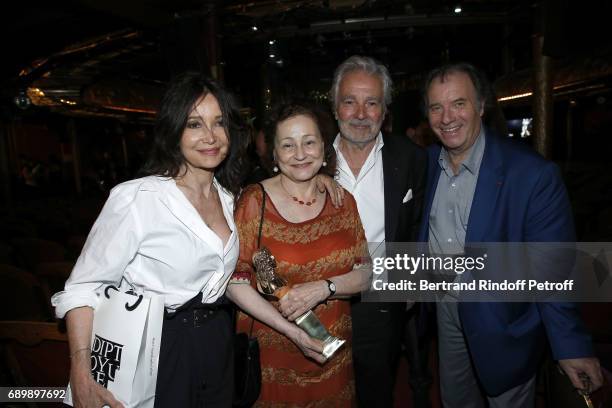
<point>292,109</point>
<point>183,91</point>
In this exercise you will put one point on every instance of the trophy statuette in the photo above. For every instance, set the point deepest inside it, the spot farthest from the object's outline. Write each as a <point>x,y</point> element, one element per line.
<point>271,284</point>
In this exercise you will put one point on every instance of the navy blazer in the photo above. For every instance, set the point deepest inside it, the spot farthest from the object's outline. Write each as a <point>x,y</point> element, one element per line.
<point>519,197</point>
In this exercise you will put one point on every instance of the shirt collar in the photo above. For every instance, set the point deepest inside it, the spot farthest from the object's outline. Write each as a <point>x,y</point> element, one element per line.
<point>379,143</point>
<point>472,162</point>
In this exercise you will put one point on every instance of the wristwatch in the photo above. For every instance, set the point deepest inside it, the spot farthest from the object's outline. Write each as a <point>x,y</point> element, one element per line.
<point>331,286</point>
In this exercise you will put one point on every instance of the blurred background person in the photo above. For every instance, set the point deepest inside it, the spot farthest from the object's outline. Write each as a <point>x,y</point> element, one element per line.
<point>420,133</point>
<point>261,166</point>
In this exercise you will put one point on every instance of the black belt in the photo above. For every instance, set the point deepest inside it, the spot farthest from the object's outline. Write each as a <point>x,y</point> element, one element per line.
<point>194,313</point>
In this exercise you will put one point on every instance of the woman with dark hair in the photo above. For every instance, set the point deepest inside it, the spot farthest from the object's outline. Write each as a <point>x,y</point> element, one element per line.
<point>171,233</point>
<point>319,249</point>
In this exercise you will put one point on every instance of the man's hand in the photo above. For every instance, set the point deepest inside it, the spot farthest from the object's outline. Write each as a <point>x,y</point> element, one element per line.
<point>335,190</point>
<point>577,369</point>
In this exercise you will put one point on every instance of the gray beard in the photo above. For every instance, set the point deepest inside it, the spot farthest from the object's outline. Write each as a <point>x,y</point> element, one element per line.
<point>360,144</point>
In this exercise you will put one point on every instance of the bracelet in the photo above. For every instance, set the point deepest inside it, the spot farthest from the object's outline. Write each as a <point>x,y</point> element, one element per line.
<point>79,350</point>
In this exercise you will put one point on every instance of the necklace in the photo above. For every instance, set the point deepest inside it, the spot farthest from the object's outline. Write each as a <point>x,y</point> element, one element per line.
<point>295,199</point>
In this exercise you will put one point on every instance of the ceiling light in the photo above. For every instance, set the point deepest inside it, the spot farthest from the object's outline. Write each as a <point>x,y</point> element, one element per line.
<point>517,96</point>
<point>272,56</point>
<point>22,101</point>
<point>458,9</point>
<point>271,42</point>
<point>254,28</point>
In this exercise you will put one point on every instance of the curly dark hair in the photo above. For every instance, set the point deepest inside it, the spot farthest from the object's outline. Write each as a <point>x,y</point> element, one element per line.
<point>183,91</point>
<point>289,110</point>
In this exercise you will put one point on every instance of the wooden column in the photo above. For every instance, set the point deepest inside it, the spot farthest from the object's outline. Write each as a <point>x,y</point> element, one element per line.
<point>211,44</point>
<point>542,98</point>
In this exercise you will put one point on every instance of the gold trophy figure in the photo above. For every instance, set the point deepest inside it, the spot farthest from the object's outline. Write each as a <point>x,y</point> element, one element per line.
<point>271,284</point>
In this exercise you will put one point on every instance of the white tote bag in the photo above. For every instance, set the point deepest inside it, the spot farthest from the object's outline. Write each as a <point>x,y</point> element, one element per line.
<point>125,344</point>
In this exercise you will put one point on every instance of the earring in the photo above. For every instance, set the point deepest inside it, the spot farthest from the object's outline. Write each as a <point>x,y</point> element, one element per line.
<point>324,163</point>
<point>275,169</point>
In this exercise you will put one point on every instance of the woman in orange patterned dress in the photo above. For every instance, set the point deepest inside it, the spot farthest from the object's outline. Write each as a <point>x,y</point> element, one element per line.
<point>319,249</point>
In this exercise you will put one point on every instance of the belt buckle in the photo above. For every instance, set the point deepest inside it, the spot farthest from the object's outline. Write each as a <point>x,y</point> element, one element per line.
<point>199,316</point>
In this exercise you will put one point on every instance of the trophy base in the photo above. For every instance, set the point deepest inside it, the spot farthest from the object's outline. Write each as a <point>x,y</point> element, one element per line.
<point>331,345</point>
<point>310,323</point>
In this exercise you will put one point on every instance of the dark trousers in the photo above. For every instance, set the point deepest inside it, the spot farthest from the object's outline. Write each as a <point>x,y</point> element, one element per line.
<point>196,366</point>
<point>416,349</point>
<point>376,347</point>
<point>378,329</point>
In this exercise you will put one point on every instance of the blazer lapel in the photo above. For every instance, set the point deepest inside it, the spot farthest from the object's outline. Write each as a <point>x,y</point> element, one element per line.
<point>393,191</point>
<point>488,187</point>
<point>433,174</point>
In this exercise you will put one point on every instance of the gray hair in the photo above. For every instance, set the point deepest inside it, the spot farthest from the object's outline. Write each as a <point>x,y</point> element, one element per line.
<point>368,65</point>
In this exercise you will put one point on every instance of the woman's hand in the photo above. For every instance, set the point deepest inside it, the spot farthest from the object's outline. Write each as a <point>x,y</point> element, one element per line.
<point>250,301</point>
<point>335,190</point>
<point>311,347</point>
<point>86,393</point>
<point>303,297</point>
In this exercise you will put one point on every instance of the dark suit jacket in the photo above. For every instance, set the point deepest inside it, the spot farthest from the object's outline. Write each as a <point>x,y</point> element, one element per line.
<point>519,197</point>
<point>404,168</point>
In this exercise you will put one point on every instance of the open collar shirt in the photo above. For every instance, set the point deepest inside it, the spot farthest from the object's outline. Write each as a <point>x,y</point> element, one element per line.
<point>150,237</point>
<point>450,209</point>
<point>367,187</point>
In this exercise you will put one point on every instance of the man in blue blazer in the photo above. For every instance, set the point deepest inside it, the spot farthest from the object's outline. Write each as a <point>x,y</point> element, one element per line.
<point>484,188</point>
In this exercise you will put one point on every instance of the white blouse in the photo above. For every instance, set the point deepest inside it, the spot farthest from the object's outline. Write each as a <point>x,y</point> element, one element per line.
<point>149,234</point>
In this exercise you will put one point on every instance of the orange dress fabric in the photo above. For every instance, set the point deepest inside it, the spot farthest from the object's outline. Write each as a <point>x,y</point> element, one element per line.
<point>326,246</point>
